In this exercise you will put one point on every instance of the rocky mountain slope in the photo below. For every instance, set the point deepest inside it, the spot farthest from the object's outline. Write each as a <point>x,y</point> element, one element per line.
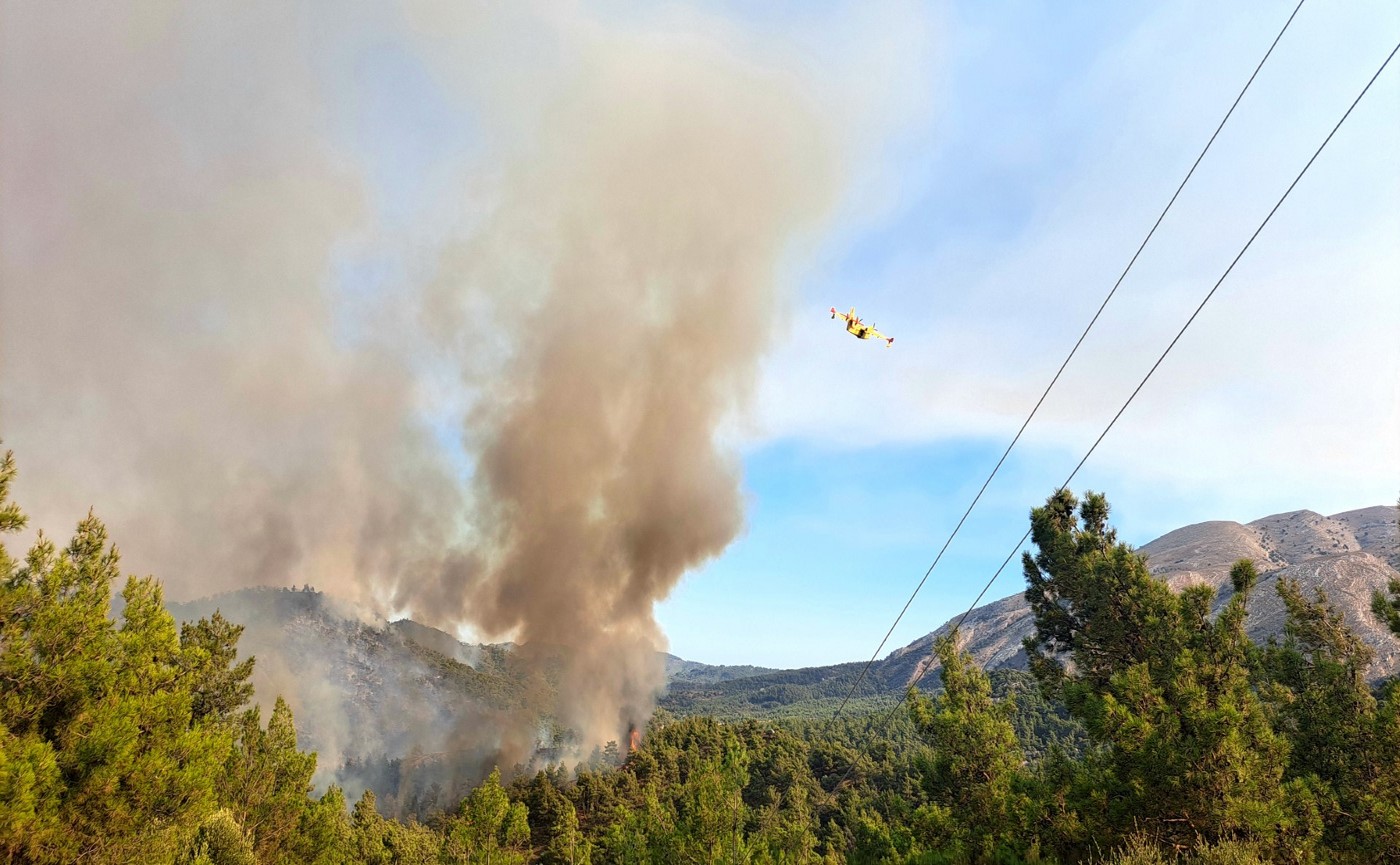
<point>1348,555</point>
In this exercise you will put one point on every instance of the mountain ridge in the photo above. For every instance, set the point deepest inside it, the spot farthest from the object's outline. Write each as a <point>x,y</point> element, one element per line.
<point>1318,551</point>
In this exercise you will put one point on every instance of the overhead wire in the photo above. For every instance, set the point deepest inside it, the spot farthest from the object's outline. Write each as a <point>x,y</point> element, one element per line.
<point>868,664</point>
<point>954,631</point>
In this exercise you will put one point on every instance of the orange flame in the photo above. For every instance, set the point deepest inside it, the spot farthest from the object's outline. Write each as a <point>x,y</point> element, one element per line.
<point>634,737</point>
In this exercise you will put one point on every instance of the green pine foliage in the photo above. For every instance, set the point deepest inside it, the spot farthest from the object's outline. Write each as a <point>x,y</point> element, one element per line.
<point>325,835</point>
<point>267,780</point>
<point>122,740</point>
<point>1149,730</point>
<point>488,828</point>
<point>1387,609</point>
<point>218,685</point>
<point>972,774</point>
<point>99,737</point>
<point>1346,743</point>
<point>1187,755</point>
<point>220,840</point>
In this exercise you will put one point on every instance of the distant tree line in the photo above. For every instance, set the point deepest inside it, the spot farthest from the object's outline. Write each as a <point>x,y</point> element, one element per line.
<point>1151,732</point>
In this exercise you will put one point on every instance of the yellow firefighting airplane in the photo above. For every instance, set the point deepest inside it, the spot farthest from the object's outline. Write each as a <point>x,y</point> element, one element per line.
<point>860,330</point>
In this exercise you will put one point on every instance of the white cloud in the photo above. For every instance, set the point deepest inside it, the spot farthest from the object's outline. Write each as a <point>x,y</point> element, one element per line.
<point>1287,383</point>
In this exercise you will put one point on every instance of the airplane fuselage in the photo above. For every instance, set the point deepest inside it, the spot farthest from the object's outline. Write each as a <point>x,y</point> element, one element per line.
<point>859,329</point>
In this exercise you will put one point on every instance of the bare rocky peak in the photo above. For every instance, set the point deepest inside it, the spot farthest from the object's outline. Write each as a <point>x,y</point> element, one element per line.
<point>1302,535</point>
<point>1348,555</point>
<point>993,632</point>
<point>1375,530</point>
<point>1204,553</point>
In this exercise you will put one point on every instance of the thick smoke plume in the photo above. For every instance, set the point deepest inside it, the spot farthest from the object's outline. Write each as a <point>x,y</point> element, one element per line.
<point>189,343</point>
<point>662,200</point>
<point>173,351</point>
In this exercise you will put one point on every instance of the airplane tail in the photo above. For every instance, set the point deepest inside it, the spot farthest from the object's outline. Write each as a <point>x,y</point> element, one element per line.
<point>889,341</point>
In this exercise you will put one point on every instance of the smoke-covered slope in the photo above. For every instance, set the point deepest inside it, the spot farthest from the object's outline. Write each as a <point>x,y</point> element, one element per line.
<point>363,692</point>
<point>370,693</point>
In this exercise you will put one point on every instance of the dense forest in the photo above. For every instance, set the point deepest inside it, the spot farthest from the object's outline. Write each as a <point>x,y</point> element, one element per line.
<point>1148,731</point>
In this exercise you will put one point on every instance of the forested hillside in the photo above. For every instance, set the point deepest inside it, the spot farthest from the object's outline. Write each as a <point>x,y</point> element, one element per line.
<point>1148,730</point>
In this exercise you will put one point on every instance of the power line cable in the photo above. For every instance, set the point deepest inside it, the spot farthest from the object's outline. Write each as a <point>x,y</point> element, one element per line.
<point>909,690</point>
<point>1065,363</point>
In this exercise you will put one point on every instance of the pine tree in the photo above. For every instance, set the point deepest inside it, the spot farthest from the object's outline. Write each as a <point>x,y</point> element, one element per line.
<point>209,648</point>
<point>30,782</point>
<point>488,829</point>
<point>710,811</point>
<point>368,831</point>
<point>785,829</point>
<point>972,772</point>
<point>642,834</point>
<point>99,744</point>
<point>1387,609</point>
<point>1189,755</point>
<point>554,824</point>
<point>411,843</point>
<point>1344,742</point>
<point>324,834</point>
<point>268,779</point>
<point>219,841</point>
<point>140,770</point>
<point>113,735</point>
<point>1093,599</point>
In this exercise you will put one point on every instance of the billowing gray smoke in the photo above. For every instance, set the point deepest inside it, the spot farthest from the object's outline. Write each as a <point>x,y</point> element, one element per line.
<point>180,347</point>
<point>172,350</point>
<point>599,481</point>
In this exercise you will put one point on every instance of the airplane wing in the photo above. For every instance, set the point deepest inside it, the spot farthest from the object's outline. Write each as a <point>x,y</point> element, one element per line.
<point>835,314</point>
<point>875,334</point>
